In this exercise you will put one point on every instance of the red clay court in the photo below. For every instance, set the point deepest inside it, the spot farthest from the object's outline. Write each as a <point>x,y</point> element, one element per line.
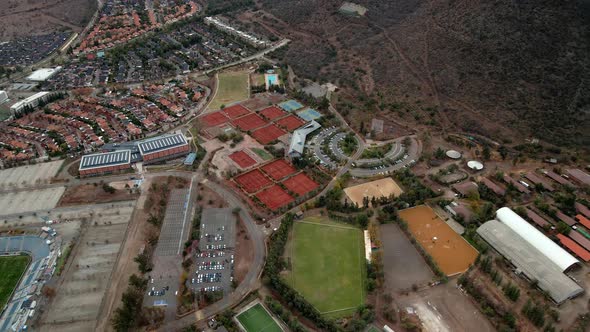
<point>274,197</point>
<point>272,112</point>
<point>268,134</point>
<point>300,184</point>
<point>253,181</point>
<point>278,169</point>
<point>214,119</point>
<point>291,122</point>
<point>235,111</point>
<point>249,122</point>
<point>242,159</point>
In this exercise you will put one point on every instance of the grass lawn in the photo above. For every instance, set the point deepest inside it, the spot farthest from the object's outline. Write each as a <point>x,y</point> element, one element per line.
<point>232,87</point>
<point>258,79</point>
<point>12,268</point>
<point>327,265</point>
<point>257,319</point>
<point>262,153</point>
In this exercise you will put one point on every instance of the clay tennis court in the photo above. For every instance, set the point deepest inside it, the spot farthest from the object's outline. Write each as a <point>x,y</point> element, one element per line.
<point>450,251</point>
<point>300,184</point>
<point>274,197</point>
<point>242,159</point>
<point>291,122</point>
<point>378,188</point>
<point>235,111</point>
<point>249,122</point>
<point>272,112</point>
<point>278,169</point>
<point>214,119</point>
<point>253,181</point>
<point>268,134</point>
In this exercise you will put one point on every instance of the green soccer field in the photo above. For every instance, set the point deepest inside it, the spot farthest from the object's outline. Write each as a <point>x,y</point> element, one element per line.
<point>327,265</point>
<point>257,319</point>
<point>12,268</point>
<point>232,87</point>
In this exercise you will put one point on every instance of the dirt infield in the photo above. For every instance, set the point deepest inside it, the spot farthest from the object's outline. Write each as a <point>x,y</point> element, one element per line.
<point>249,122</point>
<point>278,169</point>
<point>450,251</point>
<point>267,134</point>
<point>291,122</point>
<point>274,197</point>
<point>235,111</point>
<point>300,184</point>
<point>242,159</point>
<point>272,112</point>
<point>378,188</point>
<point>214,119</point>
<point>253,181</point>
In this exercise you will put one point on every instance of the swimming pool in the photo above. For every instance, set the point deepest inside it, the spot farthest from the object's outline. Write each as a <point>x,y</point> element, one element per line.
<point>271,79</point>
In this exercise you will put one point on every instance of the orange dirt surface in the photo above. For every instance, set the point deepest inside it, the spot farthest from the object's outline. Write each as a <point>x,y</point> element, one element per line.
<point>451,252</point>
<point>90,194</point>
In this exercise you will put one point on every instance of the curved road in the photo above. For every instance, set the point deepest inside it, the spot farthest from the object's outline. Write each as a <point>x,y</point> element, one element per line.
<point>249,283</point>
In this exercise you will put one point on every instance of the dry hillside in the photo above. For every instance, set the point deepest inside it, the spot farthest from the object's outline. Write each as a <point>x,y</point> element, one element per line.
<point>505,69</point>
<point>21,18</point>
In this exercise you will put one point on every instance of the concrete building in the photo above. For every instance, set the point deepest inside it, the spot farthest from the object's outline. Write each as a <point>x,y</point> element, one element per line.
<point>247,37</point>
<point>105,163</point>
<point>43,74</point>
<point>533,254</point>
<point>3,96</point>
<point>298,139</point>
<point>163,148</point>
<point>31,101</point>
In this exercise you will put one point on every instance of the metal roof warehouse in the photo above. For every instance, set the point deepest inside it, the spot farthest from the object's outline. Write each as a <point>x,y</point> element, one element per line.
<point>108,159</point>
<point>161,143</point>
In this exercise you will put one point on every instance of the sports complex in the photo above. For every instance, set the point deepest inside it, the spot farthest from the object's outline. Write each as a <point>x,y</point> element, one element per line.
<point>452,253</point>
<point>274,184</point>
<point>327,265</point>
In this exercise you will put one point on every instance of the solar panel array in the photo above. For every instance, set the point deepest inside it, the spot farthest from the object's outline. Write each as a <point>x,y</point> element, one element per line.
<point>161,143</point>
<point>105,159</point>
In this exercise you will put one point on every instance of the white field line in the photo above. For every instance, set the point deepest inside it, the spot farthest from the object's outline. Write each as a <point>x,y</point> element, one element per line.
<point>188,203</point>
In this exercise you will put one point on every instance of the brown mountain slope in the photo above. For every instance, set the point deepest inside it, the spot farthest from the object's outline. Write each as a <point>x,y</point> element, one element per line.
<point>496,67</point>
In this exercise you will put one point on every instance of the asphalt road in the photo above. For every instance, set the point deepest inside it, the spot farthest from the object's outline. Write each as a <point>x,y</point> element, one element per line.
<point>249,283</point>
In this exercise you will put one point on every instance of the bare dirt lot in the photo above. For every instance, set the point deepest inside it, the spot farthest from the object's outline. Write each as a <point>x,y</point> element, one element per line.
<point>445,308</point>
<point>81,288</point>
<point>221,161</point>
<point>89,193</point>
<point>31,200</point>
<point>33,17</point>
<point>244,252</point>
<point>378,188</point>
<point>26,176</point>
<point>400,255</point>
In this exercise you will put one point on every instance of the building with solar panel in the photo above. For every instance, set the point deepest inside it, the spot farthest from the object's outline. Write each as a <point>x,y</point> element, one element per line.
<point>105,163</point>
<point>163,148</point>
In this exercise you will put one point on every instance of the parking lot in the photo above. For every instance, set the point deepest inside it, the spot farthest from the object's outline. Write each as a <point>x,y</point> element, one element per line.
<point>399,253</point>
<point>26,176</point>
<point>317,143</point>
<point>32,200</point>
<point>78,299</point>
<point>215,261</point>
